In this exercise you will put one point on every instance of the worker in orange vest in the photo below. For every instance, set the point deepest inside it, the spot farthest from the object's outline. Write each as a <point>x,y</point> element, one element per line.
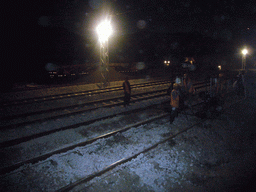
<point>175,102</point>
<point>127,92</point>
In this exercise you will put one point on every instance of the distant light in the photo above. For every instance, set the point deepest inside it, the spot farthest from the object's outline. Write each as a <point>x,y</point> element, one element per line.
<point>167,63</point>
<point>219,67</point>
<point>245,51</point>
<point>104,30</point>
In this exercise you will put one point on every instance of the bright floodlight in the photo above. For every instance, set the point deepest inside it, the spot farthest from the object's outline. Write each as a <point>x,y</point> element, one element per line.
<point>244,51</point>
<point>104,30</point>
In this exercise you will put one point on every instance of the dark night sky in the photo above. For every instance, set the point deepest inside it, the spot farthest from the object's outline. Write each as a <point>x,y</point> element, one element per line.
<point>61,30</point>
<point>215,18</point>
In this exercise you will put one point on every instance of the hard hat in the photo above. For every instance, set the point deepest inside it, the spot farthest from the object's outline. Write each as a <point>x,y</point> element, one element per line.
<point>177,80</point>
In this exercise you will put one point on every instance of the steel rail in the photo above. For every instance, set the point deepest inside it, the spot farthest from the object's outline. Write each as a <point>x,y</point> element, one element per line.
<point>65,114</point>
<point>77,94</point>
<point>78,105</point>
<point>124,160</point>
<point>37,135</point>
<point>108,168</point>
<point>65,149</point>
<point>45,156</point>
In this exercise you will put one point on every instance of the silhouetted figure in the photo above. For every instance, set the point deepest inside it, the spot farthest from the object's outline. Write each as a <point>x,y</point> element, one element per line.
<point>239,86</point>
<point>127,92</point>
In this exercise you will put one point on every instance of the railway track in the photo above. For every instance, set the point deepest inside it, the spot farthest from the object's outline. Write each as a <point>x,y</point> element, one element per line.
<point>84,183</point>
<point>12,144</point>
<point>90,92</point>
<point>29,112</point>
<point>19,109</point>
<point>69,120</point>
<point>93,148</point>
<point>122,161</point>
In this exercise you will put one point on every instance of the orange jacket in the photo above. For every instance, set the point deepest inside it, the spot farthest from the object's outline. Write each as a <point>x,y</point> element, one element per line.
<point>175,98</point>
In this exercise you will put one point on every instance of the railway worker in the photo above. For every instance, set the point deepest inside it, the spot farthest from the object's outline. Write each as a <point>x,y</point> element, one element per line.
<point>175,102</point>
<point>182,94</point>
<point>221,86</point>
<point>239,85</point>
<point>178,81</point>
<point>189,89</point>
<point>127,92</point>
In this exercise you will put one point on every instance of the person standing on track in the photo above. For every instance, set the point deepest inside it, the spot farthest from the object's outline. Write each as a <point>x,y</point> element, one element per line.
<point>127,92</point>
<point>240,90</point>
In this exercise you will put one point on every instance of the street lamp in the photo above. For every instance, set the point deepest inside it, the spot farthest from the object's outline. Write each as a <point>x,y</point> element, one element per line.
<point>244,52</point>
<point>104,30</point>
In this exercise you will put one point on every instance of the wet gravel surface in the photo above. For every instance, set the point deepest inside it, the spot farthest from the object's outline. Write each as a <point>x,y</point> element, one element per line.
<point>217,155</point>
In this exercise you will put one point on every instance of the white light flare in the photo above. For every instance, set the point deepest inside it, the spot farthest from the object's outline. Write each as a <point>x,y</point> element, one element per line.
<point>104,30</point>
<point>244,51</point>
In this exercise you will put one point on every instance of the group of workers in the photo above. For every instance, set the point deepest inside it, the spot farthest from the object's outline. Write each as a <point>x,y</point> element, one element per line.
<point>182,92</point>
<point>181,96</point>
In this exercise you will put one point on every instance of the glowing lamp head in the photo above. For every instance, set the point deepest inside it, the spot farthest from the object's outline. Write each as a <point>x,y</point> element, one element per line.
<point>104,30</point>
<point>245,51</point>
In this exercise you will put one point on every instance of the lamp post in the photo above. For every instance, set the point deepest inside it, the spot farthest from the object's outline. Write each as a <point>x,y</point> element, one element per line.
<point>244,52</point>
<point>104,30</point>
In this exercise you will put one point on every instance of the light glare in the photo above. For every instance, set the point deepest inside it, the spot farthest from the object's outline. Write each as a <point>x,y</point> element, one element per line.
<point>245,51</point>
<point>104,30</point>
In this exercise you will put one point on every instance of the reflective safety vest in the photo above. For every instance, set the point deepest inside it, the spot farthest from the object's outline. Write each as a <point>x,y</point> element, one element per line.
<point>175,98</point>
